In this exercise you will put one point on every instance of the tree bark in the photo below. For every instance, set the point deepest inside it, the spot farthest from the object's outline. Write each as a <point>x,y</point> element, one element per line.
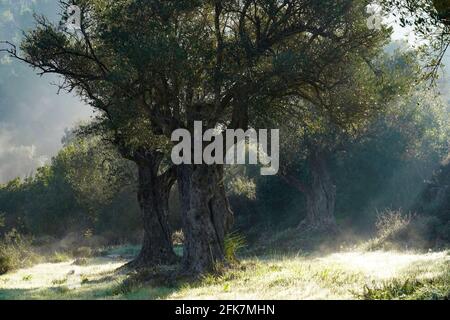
<point>153,197</point>
<point>207,216</point>
<point>320,195</point>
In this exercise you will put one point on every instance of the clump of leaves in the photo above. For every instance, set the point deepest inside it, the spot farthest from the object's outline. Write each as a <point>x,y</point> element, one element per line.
<point>389,290</point>
<point>437,288</point>
<point>232,244</point>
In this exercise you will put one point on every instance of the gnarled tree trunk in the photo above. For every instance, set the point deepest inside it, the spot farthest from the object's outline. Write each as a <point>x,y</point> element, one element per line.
<point>320,195</point>
<point>153,197</point>
<point>207,216</point>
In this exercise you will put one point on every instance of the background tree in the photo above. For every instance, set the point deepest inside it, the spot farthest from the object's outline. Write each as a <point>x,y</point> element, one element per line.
<point>355,91</point>
<point>431,22</point>
<point>87,186</point>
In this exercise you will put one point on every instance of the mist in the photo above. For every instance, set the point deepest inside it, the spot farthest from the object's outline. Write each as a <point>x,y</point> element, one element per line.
<point>33,116</point>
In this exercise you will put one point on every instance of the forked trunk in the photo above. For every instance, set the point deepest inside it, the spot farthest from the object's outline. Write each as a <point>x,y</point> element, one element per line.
<point>207,216</point>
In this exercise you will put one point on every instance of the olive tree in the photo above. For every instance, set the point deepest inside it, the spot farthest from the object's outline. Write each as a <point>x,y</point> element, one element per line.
<point>177,62</point>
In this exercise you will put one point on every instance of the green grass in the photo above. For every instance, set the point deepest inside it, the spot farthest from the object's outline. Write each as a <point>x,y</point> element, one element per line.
<point>416,284</point>
<point>343,275</point>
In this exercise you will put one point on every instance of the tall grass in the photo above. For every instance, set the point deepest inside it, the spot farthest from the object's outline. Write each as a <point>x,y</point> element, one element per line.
<point>398,230</point>
<point>15,252</point>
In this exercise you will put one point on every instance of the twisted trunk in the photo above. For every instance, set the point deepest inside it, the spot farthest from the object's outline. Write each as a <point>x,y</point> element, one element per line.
<point>153,197</point>
<point>320,195</point>
<point>207,216</point>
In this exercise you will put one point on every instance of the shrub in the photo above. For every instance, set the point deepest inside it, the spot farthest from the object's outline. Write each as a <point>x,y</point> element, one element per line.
<point>392,225</point>
<point>396,230</point>
<point>15,252</point>
<point>394,289</point>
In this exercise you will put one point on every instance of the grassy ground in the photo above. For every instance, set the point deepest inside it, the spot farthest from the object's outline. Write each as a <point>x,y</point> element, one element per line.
<point>343,275</point>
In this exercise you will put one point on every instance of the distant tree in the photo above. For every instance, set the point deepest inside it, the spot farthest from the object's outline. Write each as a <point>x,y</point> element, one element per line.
<point>390,165</point>
<point>75,192</point>
<point>359,91</point>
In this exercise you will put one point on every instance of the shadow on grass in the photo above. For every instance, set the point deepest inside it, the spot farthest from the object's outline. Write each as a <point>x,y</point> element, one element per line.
<point>104,288</point>
<point>156,283</point>
<point>96,261</point>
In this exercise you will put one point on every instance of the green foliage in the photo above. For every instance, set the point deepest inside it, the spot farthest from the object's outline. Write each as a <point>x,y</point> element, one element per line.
<point>395,289</point>
<point>87,186</point>
<point>383,166</point>
<point>431,22</point>
<point>410,289</point>
<point>232,244</point>
<point>380,139</point>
